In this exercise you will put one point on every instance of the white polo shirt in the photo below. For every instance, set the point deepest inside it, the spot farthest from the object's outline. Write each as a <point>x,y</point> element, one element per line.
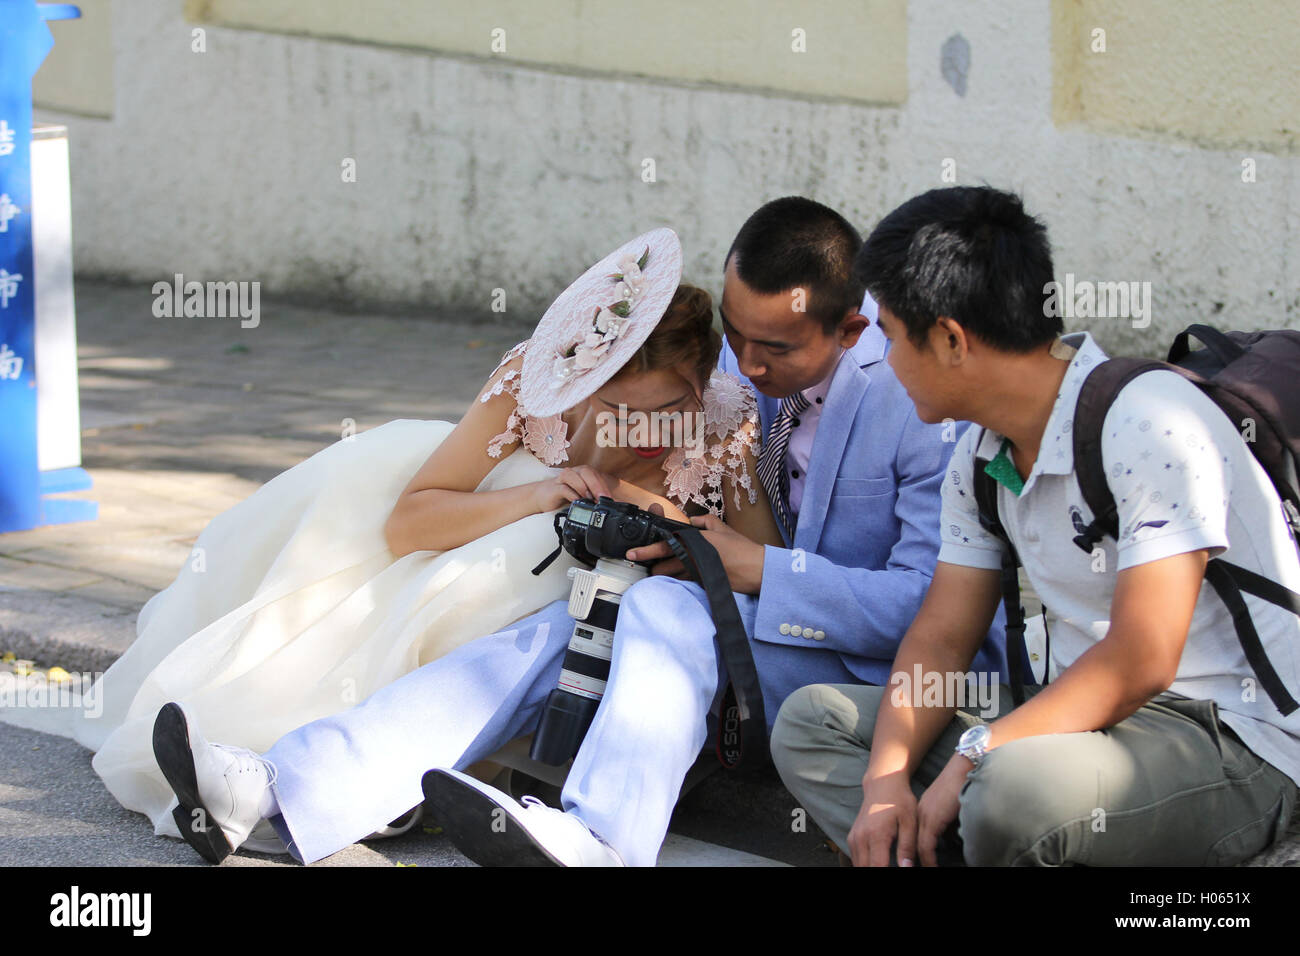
<point>1183,480</point>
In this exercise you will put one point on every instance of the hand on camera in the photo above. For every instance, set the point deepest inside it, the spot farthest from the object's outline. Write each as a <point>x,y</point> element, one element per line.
<point>742,558</point>
<point>570,485</point>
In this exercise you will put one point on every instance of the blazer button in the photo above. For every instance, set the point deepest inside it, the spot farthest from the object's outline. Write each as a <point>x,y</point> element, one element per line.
<point>819,635</point>
<point>796,630</point>
<point>784,629</point>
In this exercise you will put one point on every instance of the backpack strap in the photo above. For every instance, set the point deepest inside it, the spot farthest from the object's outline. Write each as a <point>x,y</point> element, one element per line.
<point>1095,398</point>
<point>1223,578</point>
<point>986,499</point>
<point>1097,394</point>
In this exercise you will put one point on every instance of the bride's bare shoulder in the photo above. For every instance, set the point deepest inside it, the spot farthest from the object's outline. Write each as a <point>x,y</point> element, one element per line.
<point>491,427</point>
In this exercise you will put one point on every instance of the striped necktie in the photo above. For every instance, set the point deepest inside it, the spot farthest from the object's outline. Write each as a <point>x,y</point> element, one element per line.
<point>771,463</point>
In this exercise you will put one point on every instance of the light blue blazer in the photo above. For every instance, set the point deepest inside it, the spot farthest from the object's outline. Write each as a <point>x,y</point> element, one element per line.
<point>867,536</point>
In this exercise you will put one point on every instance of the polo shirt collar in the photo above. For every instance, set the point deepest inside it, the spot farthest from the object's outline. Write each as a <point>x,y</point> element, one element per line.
<point>1056,451</point>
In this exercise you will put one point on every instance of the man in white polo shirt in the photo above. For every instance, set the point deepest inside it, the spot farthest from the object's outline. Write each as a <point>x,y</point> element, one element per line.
<point>1155,745</point>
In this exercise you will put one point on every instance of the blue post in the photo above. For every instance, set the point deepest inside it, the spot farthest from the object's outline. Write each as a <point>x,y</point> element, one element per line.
<point>25,41</point>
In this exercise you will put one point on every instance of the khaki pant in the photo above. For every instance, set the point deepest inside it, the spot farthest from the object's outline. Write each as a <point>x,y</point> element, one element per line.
<point>1168,786</point>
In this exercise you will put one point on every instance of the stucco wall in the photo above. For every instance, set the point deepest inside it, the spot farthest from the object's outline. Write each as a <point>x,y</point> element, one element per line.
<point>474,174</point>
<point>1215,72</point>
<point>837,49</point>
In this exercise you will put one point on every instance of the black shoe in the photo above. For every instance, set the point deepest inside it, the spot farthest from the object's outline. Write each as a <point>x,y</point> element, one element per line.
<point>492,829</point>
<point>171,748</point>
<point>234,780</point>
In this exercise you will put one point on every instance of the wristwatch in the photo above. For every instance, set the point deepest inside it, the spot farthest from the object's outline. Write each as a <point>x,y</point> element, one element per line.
<point>974,743</point>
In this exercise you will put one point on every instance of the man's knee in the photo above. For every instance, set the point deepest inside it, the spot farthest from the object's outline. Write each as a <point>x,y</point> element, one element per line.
<point>1022,804</point>
<point>815,717</point>
<point>659,593</point>
<point>672,614</point>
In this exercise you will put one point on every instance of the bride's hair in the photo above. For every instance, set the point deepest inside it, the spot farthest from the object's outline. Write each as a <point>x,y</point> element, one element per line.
<point>684,338</point>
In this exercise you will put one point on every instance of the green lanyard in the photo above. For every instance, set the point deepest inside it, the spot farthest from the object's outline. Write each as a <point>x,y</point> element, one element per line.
<point>1003,470</point>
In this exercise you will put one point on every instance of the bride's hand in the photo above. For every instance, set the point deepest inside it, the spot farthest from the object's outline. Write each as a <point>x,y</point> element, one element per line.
<point>570,485</point>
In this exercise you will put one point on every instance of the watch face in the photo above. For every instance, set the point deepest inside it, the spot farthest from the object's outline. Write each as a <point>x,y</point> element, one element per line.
<point>975,737</point>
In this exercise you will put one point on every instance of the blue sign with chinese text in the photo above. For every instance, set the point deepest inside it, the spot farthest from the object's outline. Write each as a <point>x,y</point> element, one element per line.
<point>25,41</point>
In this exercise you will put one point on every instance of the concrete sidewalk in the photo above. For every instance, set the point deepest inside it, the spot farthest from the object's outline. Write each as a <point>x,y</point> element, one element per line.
<point>185,417</point>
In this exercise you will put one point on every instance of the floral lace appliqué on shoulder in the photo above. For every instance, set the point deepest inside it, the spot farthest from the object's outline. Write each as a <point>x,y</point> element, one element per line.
<point>730,428</point>
<point>545,438</point>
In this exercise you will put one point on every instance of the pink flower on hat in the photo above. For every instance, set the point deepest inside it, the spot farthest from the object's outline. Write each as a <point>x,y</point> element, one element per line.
<point>607,322</point>
<point>633,283</point>
<point>567,366</point>
<point>588,354</point>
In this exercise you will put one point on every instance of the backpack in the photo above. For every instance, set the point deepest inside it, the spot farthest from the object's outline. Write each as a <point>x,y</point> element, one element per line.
<point>1254,377</point>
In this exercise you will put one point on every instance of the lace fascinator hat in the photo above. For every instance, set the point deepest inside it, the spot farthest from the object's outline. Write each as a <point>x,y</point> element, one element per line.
<point>597,323</point>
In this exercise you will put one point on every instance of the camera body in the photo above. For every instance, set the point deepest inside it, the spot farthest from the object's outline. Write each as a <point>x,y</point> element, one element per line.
<point>609,529</point>
<point>598,533</point>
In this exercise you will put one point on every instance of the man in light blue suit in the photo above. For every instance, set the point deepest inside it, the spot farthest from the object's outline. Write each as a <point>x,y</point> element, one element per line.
<point>862,472</point>
<point>853,477</point>
<point>851,580</point>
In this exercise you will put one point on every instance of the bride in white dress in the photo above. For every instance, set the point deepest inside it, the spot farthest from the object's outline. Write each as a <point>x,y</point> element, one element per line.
<point>393,547</point>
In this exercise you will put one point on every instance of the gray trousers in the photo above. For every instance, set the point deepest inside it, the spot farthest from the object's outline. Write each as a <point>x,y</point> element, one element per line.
<point>1168,786</point>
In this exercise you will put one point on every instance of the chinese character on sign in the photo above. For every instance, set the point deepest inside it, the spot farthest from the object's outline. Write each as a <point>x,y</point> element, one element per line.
<point>7,211</point>
<point>6,138</point>
<point>8,287</point>
<point>11,365</point>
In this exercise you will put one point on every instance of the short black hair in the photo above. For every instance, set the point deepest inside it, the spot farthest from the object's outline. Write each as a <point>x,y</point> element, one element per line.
<point>795,242</point>
<point>970,253</point>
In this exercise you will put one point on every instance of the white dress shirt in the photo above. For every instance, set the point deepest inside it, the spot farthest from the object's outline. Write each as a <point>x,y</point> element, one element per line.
<point>799,452</point>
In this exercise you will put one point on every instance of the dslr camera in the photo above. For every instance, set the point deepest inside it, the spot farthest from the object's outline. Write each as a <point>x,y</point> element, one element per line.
<point>597,533</point>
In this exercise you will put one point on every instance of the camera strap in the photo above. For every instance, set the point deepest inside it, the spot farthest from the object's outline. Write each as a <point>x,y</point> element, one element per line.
<point>742,729</point>
<point>547,561</point>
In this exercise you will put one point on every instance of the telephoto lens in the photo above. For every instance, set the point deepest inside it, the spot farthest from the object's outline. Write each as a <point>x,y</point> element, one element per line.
<point>571,707</point>
<point>601,533</point>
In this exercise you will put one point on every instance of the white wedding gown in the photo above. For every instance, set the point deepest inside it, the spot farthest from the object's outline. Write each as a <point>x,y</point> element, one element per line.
<point>293,608</point>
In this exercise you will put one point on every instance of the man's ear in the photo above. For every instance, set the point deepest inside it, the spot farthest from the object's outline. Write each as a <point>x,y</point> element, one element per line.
<point>851,328</point>
<point>949,340</point>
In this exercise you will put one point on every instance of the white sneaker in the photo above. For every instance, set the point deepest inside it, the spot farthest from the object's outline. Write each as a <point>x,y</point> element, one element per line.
<point>493,829</point>
<point>219,789</point>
